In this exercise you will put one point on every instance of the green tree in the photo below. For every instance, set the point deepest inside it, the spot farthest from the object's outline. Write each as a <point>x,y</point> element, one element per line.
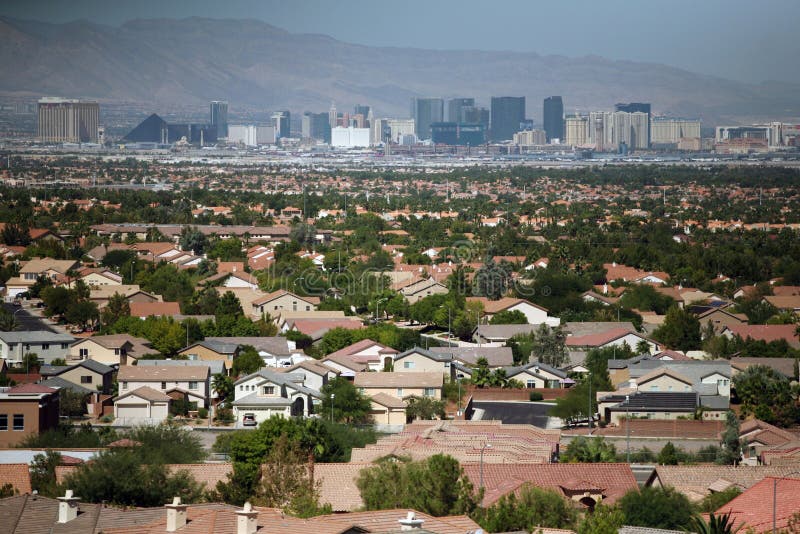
<point>426,408</point>
<point>731,451</point>
<point>8,322</point>
<point>668,455</point>
<point>246,362</point>
<point>509,317</point>
<point>344,402</point>
<point>57,300</point>
<point>680,330</point>
<point>481,375</point>
<point>82,313</point>
<point>71,403</point>
<point>645,298</point>
<point>589,450</point>
<point>43,473</point>
<point>604,520</point>
<point>716,500</point>
<point>116,308</point>
<point>287,481</point>
<point>766,393</point>
<point>491,280</point>
<point>534,507</point>
<point>549,345</point>
<point>435,486</point>
<point>229,305</point>
<point>656,508</point>
<point>193,240</point>
<point>222,384</point>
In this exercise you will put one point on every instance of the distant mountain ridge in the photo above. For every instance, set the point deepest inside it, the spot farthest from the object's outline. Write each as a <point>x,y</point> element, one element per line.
<point>188,62</point>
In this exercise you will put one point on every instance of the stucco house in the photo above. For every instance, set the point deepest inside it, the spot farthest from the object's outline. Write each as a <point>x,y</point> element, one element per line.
<point>266,393</point>
<point>190,383</point>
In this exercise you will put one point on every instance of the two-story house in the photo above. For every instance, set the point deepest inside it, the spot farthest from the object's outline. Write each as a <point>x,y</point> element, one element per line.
<point>25,410</point>
<point>191,383</point>
<point>114,349</point>
<point>91,375</point>
<point>30,271</point>
<point>277,301</point>
<point>47,345</point>
<point>266,393</point>
<point>401,385</point>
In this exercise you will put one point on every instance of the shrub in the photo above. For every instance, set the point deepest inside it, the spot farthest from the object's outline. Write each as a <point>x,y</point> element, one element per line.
<point>224,415</point>
<point>536,396</point>
<point>202,413</point>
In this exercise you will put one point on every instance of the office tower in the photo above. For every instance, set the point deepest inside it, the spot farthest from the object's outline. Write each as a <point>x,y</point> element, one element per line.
<point>316,126</point>
<point>471,134</point>
<point>476,115</point>
<point>444,133</point>
<point>400,128</point>
<point>426,111</point>
<point>507,114</point>
<point>68,121</point>
<point>577,130</point>
<point>219,117</point>
<point>333,116</point>
<point>379,131</point>
<point>281,120</point>
<point>553,118</point>
<point>455,108</point>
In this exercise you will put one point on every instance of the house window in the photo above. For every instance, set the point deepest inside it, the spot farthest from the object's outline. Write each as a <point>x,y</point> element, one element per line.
<point>308,308</point>
<point>294,305</point>
<point>3,422</point>
<point>87,379</point>
<point>19,421</point>
<point>429,392</point>
<point>651,415</point>
<point>192,385</point>
<point>83,353</point>
<point>64,346</point>
<point>116,352</point>
<point>268,390</point>
<point>163,385</point>
<point>531,384</point>
<point>124,385</point>
<point>723,382</point>
<point>45,346</point>
<point>408,365</point>
<point>653,388</point>
<point>399,392</point>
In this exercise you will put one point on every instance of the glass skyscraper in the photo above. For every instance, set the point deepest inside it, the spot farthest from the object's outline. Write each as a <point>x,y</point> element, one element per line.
<point>553,118</point>
<point>219,117</point>
<point>507,114</point>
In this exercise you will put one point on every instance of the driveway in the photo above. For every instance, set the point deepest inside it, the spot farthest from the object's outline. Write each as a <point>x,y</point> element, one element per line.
<point>526,413</point>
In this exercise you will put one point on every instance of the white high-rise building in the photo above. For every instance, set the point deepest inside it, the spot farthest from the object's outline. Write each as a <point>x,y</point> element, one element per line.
<point>400,128</point>
<point>669,131</point>
<point>350,137</point>
<point>63,120</point>
<point>577,130</point>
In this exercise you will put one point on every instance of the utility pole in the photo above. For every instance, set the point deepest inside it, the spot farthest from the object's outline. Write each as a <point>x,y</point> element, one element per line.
<point>590,403</point>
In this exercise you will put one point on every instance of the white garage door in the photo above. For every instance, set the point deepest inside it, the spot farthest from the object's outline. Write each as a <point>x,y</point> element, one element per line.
<point>131,410</point>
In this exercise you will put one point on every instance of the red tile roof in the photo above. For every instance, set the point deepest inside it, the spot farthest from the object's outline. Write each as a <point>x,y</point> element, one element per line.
<point>754,508</point>
<point>30,389</point>
<point>766,332</point>
<point>18,475</point>
<point>146,309</point>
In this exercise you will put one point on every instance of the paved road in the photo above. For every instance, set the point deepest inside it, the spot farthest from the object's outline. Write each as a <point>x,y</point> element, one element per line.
<point>28,321</point>
<point>529,413</point>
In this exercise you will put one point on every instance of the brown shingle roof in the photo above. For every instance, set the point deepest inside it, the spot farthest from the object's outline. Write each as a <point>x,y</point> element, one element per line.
<point>399,380</point>
<point>146,393</point>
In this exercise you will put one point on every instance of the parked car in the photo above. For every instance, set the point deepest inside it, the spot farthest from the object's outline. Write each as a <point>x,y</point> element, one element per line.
<point>249,419</point>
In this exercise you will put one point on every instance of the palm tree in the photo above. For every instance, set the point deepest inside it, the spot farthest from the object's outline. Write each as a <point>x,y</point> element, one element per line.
<point>720,524</point>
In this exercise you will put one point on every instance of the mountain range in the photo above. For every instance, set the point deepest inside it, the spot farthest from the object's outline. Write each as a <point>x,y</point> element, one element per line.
<point>184,63</point>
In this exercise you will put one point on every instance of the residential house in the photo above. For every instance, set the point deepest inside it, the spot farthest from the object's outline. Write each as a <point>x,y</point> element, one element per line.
<point>276,351</point>
<point>534,313</point>
<point>699,481</point>
<point>95,278</point>
<point>765,332</point>
<point>315,374</point>
<point>26,410</point>
<point>617,337</point>
<point>721,318</point>
<point>416,290</point>
<point>758,436</point>
<point>624,273</point>
<point>362,354</point>
<point>495,356</point>
<point>214,367</point>
<point>47,345</point>
<point>615,407</point>
<point>277,301</point>
<point>785,303</point>
<point>316,328</point>
<point>211,350</point>
<point>401,385</point>
<point>88,374</point>
<point>286,316</point>
<point>132,293</point>
<point>539,375</point>
<point>30,271</point>
<point>784,366</point>
<point>417,360</point>
<point>114,349</point>
<point>141,405</point>
<point>387,410</point>
<point>190,383</point>
<point>266,393</point>
<point>498,334</point>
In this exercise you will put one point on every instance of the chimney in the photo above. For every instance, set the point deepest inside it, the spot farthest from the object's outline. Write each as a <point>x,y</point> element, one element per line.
<point>410,522</point>
<point>605,289</point>
<point>67,507</point>
<point>176,515</point>
<point>246,520</point>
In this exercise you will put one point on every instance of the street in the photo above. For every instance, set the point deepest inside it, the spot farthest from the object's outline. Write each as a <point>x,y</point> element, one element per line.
<point>27,320</point>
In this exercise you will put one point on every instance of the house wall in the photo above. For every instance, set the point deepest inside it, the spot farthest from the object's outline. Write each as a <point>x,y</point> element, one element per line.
<point>285,302</point>
<point>96,352</point>
<point>37,419</point>
<point>406,392</point>
<point>534,314</point>
<point>664,383</point>
<point>419,291</point>
<point>720,321</point>
<point>381,415</point>
<point>202,387</point>
<point>618,417</point>
<point>632,340</point>
<point>261,413</point>
<point>525,377</point>
<point>97,379</point>
<point>134,407</point>
<point>19,350</point>
<point>420,363</point>
<point>97,280</point>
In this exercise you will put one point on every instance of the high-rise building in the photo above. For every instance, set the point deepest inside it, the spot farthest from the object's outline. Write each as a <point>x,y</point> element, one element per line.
<point>507,114</point>
<point>577,130</point>
<point>477,115</point>
<point>456,106</point>
<point>68,121</point>
<point>553,118</point>
<point>401,128</point>
<point>365,112</point>
<point>426,111</point>
<point>350,137</point>
<point>316,126</point>
<point>219,117</point>
<point>666,131</point>
<point>530,138</point>
<point>471,134</point>
<point>281,120</point>
<point>444,133</point>
<point>636,107</point>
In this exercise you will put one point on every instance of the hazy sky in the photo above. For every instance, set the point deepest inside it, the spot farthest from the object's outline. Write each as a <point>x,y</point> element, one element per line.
<point>748,40</point>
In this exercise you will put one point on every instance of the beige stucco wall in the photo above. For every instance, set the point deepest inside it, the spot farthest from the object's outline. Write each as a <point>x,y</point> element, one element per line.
<point>207,355</point>
<point>406,392</point>
<point>664,383</point>
<point>420,364</point>
<point>97,353</point>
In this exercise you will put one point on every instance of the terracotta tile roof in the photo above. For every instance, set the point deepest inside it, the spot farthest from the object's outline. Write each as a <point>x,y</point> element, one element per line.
<point>388,400</point>
<point>338,485</point>
<point>316,328</point>
<point>399,380</point>
<point>351,351</point>
<point>146,393</point>
<point>599,339</point>
<point>611,480</point>
<point>208,474</point>
<point>146,309</point>
<point>697,481</point>
<point>18,475</point>
<point>30,389</point>
<point>754,508</point>
<point>766,332</point>
<point>678,428</point>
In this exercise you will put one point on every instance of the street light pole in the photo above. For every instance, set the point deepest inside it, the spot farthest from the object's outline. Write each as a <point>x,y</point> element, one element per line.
<point>628,425</point>
<point>333,396</point>
<point>590,403</point>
